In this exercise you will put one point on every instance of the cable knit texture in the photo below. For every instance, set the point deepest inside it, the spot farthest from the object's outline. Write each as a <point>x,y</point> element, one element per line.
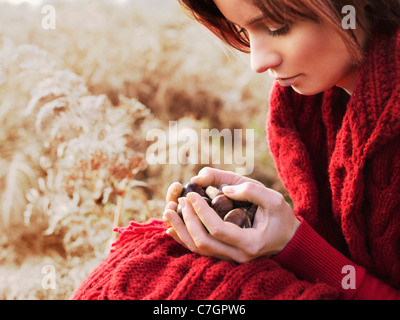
<point>339,157</point>
<point>148,264</point>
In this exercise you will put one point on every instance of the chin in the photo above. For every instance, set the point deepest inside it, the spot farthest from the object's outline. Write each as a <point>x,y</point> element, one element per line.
<point>308,91</point>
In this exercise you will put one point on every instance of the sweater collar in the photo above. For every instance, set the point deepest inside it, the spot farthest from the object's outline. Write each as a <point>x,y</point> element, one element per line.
<point>374,106</point>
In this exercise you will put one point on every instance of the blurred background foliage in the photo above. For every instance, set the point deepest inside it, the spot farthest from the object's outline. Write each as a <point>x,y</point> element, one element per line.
<point>75,106</point>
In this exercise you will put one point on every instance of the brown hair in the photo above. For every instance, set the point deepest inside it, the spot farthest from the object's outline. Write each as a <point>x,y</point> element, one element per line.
<point>383,16</point>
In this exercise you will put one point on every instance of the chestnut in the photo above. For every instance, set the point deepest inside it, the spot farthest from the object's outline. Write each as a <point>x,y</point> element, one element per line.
<point>251,211</point>
<point>222,205</point>
<point>240,213</point>
<point>192,187</point>
<point>239,217</point>
<point>208,200</point>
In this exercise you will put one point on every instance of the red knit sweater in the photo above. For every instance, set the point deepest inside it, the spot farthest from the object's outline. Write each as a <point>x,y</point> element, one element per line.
<point>340,161</point>
<point>148,264</point>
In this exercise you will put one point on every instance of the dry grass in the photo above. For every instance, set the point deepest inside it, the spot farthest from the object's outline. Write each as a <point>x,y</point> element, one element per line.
<point>75,106</point>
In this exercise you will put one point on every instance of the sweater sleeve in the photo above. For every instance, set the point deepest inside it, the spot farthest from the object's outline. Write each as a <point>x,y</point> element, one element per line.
<point>312,258</point>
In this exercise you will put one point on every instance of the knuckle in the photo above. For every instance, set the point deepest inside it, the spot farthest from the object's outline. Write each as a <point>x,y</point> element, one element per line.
<point>201,244</point>
<point>194,249</point>
<point>252,250</point>
<point>248,187</point>
<point>280,201</point>
<point>242,258</point>
<point>217,230</point>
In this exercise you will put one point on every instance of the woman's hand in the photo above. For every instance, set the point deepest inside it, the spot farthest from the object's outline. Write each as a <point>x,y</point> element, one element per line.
<point>204,232</point>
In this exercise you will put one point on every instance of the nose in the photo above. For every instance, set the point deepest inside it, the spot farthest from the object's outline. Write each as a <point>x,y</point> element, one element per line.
<point>263,55</point>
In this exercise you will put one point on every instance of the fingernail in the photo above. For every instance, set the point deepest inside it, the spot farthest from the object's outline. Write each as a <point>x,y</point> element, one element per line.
<point>193,179</point>
<point>202,172</point>
<point>192,197</point>
<point>172,205</point>
<point>228,189</point>
<point>181,202</point>
<point>166,221</point>
<point>200,175</point>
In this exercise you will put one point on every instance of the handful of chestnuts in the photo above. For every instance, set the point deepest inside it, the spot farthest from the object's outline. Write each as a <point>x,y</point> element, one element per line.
<point>240,213</point>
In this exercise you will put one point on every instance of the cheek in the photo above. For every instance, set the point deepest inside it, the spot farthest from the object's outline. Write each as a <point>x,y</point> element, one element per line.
<point>322,58</point>
<point>313,52</point>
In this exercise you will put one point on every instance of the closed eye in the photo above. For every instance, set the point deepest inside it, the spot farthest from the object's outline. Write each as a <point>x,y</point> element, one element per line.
<point>280,32</point>
<point>275,33</point>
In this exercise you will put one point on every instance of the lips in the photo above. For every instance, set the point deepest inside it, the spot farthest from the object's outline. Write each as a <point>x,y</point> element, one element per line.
<point>287,82</point>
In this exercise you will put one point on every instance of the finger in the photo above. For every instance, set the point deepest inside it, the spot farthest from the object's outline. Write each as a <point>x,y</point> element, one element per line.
<point>225,232</point>
<point>166,216</point>
<point>171,206</point>
<point>215,177</point>
<point>174,192</point>
<point>180,230</point>
<point>171,232</point>
<point>257,194</point>
<point>207,244</point>
<point>192,221</point>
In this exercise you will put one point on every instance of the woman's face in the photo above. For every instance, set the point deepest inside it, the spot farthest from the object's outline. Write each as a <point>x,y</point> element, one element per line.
<point>308,56</point>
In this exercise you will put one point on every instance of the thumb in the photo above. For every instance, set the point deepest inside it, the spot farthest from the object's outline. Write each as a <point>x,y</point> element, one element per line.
<point>255,193</point>
<point>211,176</point>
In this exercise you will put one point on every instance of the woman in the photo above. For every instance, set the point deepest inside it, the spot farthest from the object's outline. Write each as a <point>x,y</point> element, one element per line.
<point>334,131</point>
<point>307,56</point>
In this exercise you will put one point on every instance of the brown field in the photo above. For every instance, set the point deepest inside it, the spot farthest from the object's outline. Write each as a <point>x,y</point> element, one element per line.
<point>76,104</point>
